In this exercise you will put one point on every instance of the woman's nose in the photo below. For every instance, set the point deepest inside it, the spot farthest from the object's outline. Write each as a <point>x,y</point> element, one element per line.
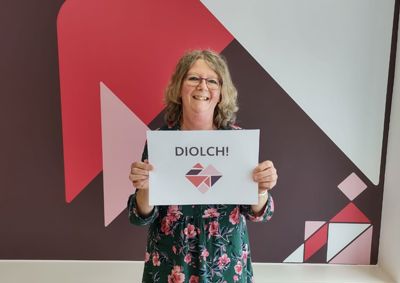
<point>202,84</point>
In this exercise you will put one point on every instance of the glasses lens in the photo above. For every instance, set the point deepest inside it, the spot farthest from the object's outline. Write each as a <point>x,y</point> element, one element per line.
<point>212,84</point>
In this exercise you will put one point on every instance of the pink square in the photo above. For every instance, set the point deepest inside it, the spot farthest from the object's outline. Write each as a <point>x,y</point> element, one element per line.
<point>352,186</point>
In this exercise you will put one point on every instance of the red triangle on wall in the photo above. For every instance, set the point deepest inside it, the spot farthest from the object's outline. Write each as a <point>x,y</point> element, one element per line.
<point>350,213</point>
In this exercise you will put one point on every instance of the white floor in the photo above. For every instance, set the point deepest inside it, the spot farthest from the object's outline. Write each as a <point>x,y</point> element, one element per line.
<point>130,271</point>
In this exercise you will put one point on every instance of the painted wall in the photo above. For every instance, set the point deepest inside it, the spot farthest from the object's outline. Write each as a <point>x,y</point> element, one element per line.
<point>56,201</point>
<point>389,247</point>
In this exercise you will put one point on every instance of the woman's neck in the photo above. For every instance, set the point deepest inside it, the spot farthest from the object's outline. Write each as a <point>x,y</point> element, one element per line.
<point>197,123</point>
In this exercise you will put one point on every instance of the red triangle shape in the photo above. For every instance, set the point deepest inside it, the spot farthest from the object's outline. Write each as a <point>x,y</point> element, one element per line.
<point>196,180</point>
<point>198,165</point>
<point>350,213</point>
<point>316,242</point>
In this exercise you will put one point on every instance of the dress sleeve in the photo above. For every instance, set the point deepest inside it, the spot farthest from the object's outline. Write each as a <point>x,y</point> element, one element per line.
<point>134,216</point>
<point>262,216</point>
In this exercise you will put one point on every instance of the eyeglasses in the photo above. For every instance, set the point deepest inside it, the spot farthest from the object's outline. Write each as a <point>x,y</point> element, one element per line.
<point>212,84</point>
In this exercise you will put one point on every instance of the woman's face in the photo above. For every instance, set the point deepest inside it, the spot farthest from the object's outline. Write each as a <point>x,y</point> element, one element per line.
<point>200,90</point>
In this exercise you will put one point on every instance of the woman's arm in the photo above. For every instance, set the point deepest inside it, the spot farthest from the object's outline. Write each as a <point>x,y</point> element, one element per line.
<point>139,176</point>
<point>265,174</point>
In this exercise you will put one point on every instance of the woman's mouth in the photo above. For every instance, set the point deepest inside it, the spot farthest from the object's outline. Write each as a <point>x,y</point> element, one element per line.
<point>200,97</point>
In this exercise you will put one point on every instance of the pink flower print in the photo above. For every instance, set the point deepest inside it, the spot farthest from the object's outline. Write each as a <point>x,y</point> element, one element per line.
<point>194,279</point>
<point>204,254</point>
<point>146,257</point>
<point>166,226</point>
<point>211,212</point>
<point>176,275</point>
<point>213,228</point>
<point>223,261</point>
<point>234,216</point>
<point>272,208</point>
<point>173,213</point>
<point>235,278</point>
<point>190,231</point>
<point>245,255</point>
<point>156,259</point>
<point>174,249</point>
<point>238,268</point>
<point>188,258</point>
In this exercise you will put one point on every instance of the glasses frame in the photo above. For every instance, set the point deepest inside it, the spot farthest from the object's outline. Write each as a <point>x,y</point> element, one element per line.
<point>207,80</point>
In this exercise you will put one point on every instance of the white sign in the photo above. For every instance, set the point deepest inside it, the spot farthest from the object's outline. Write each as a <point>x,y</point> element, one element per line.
<point>203,167</point>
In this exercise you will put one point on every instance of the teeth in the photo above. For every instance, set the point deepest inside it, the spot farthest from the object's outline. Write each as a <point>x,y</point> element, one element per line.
<point>199,97</point>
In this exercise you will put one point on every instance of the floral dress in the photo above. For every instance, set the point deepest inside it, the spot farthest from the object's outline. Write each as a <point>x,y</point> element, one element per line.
<point>198,243</point>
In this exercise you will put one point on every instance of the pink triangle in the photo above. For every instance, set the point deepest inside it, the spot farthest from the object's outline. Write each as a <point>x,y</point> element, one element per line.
<point>350,213</point>
<point>311,227</point>
<point>198,166</point>
<point>196,180</point>
<point>210,171</point>
<point>358,252</point>
<point>122,132</point>
<point>203,188</point>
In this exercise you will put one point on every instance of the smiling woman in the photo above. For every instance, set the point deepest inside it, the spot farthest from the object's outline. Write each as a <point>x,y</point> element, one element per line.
<point>202,75</point>
<point>199,243</point>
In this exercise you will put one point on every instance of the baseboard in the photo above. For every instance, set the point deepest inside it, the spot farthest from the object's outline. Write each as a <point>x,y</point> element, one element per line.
<point>38,271</point>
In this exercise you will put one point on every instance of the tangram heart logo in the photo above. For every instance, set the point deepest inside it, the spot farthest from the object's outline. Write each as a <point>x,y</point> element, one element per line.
<point>203,179</point>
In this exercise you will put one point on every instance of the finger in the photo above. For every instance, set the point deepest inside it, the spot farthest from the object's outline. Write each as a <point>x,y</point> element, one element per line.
<point>264,165</point>
<point>134,177</point>
<point>138,171</point>
<point>257,176</point>
<point>142,165</point>
<point>150,166</point>
<point>269,178</point>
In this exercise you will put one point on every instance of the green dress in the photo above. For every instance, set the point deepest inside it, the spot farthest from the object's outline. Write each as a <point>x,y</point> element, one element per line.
<point>198,243</point>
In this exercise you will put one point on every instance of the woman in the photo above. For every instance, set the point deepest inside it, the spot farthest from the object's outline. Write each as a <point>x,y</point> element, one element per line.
<point>199,243</point>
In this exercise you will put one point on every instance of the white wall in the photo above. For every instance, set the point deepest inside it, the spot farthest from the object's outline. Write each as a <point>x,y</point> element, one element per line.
<point>389,247</point>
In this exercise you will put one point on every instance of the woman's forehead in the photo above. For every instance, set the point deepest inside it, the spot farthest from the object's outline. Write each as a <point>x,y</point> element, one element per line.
<point>200,66</point>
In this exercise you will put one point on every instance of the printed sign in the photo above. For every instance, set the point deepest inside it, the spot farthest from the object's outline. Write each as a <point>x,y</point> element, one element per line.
<point>203,167</point>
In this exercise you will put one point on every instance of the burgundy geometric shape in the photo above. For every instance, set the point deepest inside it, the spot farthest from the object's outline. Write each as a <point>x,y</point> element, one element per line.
<point>214,179</point>
<point>194,172</point>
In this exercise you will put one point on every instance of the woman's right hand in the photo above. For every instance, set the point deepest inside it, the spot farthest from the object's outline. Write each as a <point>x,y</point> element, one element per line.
<point>139,174</point>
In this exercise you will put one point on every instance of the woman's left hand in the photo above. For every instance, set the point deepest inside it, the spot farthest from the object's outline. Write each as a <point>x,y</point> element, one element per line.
<point>265,175</point>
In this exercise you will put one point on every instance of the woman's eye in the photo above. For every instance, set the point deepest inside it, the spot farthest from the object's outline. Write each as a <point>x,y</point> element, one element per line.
<point>212,81</point>
<point>194,79</point>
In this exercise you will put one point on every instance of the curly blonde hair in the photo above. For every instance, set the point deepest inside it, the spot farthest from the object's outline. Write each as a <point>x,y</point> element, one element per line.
<point>225,112</point>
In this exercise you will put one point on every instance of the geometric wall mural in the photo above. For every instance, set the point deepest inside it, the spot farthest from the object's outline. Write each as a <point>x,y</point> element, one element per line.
<point>315,86</point>
<point>347,235</point>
